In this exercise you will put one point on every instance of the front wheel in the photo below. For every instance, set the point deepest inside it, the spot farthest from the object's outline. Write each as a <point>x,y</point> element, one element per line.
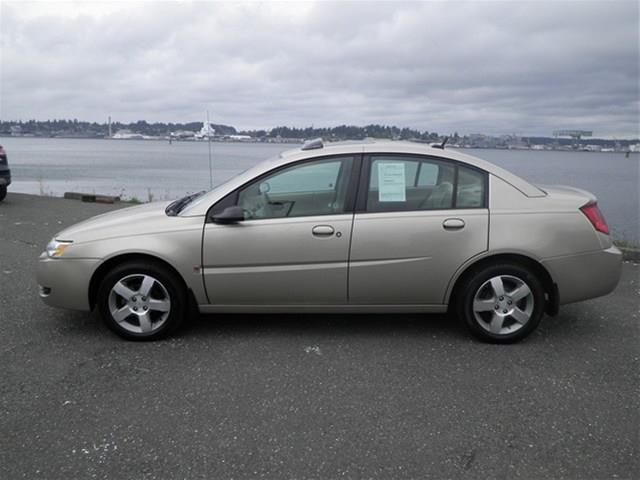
<point>3,192</point>
<point>142,301</point>
<point>502,303</point>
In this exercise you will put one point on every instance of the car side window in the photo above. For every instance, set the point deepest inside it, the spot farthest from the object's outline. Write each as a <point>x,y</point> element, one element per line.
<point>428,175</point>
<point>471,188</point>
<point>401,183</point>
<point>407,183</point>
<point>310,188</point>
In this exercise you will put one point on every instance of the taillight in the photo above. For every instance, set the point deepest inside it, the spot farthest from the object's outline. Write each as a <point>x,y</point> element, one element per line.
<point>593,213</point>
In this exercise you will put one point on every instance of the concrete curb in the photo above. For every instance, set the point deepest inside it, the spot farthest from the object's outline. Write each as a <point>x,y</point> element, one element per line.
<point>86,197</point>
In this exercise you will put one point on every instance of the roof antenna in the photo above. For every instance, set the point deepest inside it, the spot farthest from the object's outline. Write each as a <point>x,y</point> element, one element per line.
<point>440,145</point>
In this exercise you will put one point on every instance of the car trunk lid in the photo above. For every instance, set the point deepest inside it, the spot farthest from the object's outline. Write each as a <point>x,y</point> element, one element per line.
<point>565,192</point>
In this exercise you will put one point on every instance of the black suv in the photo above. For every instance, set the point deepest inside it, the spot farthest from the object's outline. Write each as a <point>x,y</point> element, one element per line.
<point>5,174</point>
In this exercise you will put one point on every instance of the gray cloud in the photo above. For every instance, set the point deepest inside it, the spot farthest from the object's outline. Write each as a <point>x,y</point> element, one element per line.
<point>496,67</point>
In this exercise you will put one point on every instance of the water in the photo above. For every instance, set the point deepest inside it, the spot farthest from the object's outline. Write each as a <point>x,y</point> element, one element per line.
<point>159,170</point>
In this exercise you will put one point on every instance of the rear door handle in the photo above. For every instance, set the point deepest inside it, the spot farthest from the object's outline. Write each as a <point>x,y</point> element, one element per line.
<point>453,224</point>
<point>322,230</point>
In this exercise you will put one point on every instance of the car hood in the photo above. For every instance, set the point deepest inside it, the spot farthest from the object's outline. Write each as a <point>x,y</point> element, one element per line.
<point>127,221</point>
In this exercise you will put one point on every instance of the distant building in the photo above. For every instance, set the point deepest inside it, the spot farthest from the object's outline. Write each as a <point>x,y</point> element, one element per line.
<point>207,131</point>
<point>592,148</point>
<point>183,135</point>
<point>126,134</point>
<point>240,138</point>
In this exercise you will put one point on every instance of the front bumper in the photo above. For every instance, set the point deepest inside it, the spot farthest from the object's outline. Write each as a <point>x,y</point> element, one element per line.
<point>587,275</point>
<point>5,178</point>
<point>64,282</point>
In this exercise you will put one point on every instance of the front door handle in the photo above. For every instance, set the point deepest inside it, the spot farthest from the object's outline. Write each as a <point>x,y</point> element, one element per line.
<point>322,230</point>
<point>453,224</point>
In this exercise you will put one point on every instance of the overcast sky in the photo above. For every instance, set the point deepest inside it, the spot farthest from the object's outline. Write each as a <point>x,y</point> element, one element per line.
<point>492,67</point>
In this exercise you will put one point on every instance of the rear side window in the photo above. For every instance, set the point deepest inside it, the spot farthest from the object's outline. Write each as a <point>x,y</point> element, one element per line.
<point>407,183</point>
<point>470,191</point>
<point>428,174</point>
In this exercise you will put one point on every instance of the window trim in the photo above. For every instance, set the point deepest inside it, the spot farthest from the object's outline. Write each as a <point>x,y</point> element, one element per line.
<point>417,177</point>
<point>365,178</point>
<point>350,195</point>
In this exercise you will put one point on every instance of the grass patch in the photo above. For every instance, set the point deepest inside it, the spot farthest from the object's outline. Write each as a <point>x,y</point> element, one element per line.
<point>627,244</point>
<point>133,201</point>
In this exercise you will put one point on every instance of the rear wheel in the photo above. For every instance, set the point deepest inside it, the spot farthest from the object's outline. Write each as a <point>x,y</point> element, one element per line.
<point>142,301</point>
<point>3,192</point>
<point>501,303</point>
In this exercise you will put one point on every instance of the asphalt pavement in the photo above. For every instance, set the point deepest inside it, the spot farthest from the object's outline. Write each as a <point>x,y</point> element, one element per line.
<point>307,396</point>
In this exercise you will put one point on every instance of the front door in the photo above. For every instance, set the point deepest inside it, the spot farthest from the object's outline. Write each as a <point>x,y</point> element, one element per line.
<point>419,219</point>
<point>293,246</point>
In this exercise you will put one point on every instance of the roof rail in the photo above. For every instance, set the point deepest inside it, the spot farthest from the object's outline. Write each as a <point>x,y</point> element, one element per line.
<point>313,144</point>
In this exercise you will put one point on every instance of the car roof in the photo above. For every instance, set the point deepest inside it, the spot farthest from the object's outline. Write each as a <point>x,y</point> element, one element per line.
<point>368,146</point>
<point>371,146</point>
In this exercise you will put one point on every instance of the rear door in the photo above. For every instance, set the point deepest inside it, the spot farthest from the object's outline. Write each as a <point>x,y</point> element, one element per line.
<point>418,219</point>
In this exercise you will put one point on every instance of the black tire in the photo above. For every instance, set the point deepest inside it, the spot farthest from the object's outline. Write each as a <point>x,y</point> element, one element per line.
<point>166,286</point>
<point>480,323</point>
<point>3,192</point>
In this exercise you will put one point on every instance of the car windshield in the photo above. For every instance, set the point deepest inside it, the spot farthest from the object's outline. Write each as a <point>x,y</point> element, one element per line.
<point>194,201</point>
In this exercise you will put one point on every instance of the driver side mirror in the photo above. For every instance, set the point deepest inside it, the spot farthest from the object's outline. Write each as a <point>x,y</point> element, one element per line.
<point>232,214</point>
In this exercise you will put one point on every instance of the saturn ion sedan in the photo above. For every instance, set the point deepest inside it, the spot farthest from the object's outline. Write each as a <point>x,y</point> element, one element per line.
<point>365,228</point>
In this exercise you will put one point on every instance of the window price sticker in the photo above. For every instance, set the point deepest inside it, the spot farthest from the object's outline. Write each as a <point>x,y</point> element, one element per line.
<point>391,182</point>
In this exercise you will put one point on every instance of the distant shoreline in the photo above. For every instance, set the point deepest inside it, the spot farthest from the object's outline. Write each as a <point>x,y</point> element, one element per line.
<point>534,148</point>
<point>151,139</point>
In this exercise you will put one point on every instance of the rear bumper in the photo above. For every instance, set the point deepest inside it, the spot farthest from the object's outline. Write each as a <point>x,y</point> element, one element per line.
<point>587,275</point>
<point>5,178</point>
<point>64,283</point>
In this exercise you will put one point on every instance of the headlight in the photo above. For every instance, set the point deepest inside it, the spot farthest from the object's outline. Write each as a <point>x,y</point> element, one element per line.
<point>56,247</point>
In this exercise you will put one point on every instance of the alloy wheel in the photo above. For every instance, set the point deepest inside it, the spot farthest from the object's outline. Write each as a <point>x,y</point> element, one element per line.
<point>503,304</point>
<point>139,303</point>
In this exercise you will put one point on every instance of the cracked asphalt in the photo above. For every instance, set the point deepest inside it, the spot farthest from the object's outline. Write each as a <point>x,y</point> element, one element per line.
<point>307,396</point>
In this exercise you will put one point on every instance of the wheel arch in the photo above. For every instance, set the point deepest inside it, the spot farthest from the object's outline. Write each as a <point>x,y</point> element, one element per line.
<point>109,264</point>
<point>550,287</point>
